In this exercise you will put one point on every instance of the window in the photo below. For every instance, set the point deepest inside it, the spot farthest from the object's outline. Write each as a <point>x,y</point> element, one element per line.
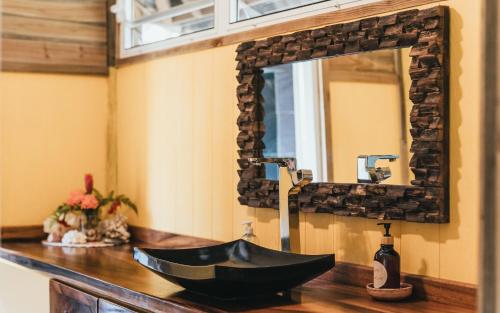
<point>157,20</point>
<point>151,25</point>
<point>247,9</point>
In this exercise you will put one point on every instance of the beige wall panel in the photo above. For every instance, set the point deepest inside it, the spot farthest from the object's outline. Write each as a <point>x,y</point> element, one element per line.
<point>459,249</point>
<point>170,162</point>
<point>357,239</point>
<point>162,137</point>
<point>420,249</point>
<point>302,231</point>
<point>267,228</point>
<point>318,233</point>
<point>133,146</point>
<point>53,132</point>
<point>223,141</point>
<point>203,68</point>
<point>23,283</point>
<point>180,98</point>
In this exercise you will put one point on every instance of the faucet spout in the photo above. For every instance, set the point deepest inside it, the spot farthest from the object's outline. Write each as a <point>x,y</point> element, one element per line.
<point>291,182</point>
<point>289,163</point>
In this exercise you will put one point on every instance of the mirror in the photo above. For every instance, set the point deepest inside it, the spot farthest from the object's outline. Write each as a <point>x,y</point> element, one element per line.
<point>328,112</point>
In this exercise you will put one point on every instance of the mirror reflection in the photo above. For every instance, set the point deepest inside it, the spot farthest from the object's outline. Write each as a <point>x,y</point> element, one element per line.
<point>346,118</point>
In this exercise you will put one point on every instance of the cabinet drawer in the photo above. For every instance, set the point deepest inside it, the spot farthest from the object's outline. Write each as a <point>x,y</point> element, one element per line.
<point>66,299</point>
<point>109,307</point>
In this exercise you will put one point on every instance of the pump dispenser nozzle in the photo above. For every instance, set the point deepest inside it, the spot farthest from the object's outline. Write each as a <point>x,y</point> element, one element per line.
<point>387,227</point>
<point>387,239</point>
<point>249,235</point>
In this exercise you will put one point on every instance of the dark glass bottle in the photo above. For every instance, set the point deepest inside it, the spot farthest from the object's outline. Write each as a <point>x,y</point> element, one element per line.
<point>386,263</point>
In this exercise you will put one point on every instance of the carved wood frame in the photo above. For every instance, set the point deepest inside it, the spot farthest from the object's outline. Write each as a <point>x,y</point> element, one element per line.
<point>427,198</point>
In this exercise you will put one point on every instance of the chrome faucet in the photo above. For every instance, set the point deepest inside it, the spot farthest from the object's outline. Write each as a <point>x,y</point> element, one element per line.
<point>291,182</point>
<point>369,173</point>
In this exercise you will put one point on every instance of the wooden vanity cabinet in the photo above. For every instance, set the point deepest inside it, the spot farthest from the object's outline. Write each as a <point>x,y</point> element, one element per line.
<point>67,299</point>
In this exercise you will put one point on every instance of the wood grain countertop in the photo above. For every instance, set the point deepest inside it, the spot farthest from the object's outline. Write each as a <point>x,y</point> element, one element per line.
<point>113,274</point>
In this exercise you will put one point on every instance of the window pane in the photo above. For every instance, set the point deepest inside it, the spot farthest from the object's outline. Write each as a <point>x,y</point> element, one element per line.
<point>247,9</point>
<point>156,20</point>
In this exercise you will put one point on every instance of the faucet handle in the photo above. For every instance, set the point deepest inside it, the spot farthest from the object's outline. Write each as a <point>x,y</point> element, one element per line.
<point>372,159</point>
<point>302,177</point>
<point>369,173</point>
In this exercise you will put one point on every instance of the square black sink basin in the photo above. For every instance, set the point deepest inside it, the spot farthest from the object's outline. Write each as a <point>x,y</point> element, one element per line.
<point>237,269</point>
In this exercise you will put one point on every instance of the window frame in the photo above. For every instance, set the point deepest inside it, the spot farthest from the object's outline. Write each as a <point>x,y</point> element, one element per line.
<point>223,26</point>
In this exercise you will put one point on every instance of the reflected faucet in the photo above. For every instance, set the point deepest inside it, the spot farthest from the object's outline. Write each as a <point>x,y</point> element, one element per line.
<point>291,182</point>
<point>369,173</point>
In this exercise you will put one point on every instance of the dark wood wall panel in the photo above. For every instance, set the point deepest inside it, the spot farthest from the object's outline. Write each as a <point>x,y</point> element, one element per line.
<point>58,36</point>
<point>27,27</point>
<point>21,233</point>
<point>85,11</point>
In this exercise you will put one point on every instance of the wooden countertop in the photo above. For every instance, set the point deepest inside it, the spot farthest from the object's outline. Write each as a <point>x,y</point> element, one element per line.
<point>113,274</point>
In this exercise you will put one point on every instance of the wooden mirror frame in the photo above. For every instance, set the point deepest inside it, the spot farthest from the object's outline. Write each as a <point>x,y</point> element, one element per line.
<point>427,198</point>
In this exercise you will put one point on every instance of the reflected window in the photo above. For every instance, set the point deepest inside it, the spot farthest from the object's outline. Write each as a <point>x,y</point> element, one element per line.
<point>294,116</point>
<point>279,119</point>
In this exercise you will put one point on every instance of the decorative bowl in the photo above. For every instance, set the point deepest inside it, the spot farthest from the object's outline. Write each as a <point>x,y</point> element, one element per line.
<point>237,269</point>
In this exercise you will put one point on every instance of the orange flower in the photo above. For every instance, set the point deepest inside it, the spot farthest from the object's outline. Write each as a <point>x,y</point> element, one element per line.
<point>89,202</point>
<point>75,197</point>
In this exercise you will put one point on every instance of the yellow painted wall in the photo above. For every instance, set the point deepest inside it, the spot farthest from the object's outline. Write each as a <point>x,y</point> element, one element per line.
<point>177,143</point>
<point>375,128</point>
<point>177,159</point>
<point>52,132</point>
<point>369,112</point>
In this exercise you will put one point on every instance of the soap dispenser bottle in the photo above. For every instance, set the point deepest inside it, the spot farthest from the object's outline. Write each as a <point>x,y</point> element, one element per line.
<point>248,234</point>
<point>386,263</point>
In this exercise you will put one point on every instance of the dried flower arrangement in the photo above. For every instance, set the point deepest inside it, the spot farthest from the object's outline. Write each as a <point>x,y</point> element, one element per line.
<point>87,216</point>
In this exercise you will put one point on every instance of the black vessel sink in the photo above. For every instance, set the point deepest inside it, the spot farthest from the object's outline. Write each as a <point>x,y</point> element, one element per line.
<point>237,269</point>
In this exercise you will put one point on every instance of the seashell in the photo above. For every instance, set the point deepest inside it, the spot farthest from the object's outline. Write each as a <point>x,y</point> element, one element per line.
<point>54,237</point>
<point>74,237</point>
<point>92,234</point>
